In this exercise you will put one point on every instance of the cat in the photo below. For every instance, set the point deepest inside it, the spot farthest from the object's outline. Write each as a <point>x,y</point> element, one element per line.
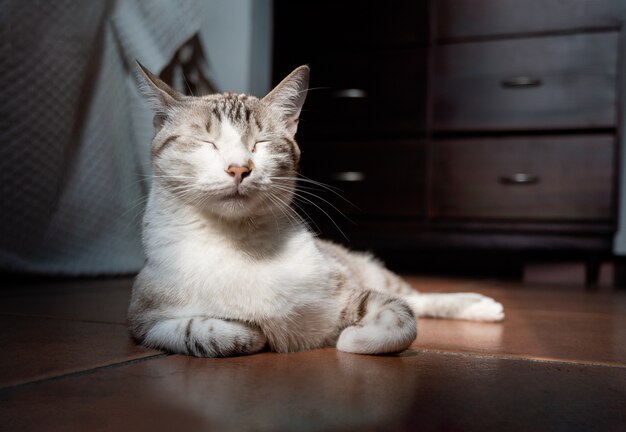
<point>229,269</point>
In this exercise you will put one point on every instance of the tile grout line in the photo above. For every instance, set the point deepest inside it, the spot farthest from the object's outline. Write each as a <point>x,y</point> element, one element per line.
<point>520,357</point>
<point>85,372</point>
<point>59,318</point>
<point>551,361</point>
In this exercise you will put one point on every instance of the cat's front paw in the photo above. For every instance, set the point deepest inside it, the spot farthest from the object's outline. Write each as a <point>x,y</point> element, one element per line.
<point>477,307</point>
<point>249,340</point>
<point>371,340</point>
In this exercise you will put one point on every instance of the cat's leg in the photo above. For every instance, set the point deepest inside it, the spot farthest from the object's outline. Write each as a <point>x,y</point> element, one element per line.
<point>379,323</point>
<point>203,336</point>
<point>463,306</point>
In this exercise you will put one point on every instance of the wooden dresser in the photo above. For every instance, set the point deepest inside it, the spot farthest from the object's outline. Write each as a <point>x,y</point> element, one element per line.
<point>461,125</point>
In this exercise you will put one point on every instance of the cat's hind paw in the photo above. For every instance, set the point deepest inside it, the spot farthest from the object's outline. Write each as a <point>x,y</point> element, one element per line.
<point>481,308</point>
<point>461,306</point>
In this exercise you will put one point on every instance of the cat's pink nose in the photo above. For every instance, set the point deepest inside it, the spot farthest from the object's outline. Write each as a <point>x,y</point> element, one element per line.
<point>238,172</point>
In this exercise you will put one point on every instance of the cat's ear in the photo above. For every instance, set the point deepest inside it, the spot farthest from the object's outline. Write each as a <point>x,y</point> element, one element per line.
<point>160,96</point>
<point>288,97</point>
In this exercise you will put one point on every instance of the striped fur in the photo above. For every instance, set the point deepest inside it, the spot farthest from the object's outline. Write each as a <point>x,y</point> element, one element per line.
<point>230,269</point>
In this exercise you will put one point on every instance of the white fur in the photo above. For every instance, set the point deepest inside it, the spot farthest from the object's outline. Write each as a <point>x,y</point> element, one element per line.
<point>465,306</point>
<point>200,264</point>
<point>379,336</point>
<point>231,148</point>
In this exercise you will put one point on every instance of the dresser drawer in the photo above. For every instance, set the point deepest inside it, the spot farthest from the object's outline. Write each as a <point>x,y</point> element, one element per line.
<point>386,177</point>
<point>330,25</point>
<point>471,18</point>
<point>557,82</point>
<point>354,94</point>
<point>568,178</point>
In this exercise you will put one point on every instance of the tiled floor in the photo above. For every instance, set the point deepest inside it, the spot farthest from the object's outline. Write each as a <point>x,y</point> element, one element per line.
<point>558,362</point>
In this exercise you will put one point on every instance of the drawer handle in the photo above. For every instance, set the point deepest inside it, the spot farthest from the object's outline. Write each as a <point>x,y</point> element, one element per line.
<point>351,93</point>
<point>519,179</point>
<point>348,176</point>
<point>521,82</point>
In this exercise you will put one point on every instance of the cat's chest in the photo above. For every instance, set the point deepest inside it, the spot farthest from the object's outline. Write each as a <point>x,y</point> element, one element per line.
<point>234,284</point>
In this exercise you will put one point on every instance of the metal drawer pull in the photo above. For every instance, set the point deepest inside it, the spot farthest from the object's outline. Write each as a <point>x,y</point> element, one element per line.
<point>521,81</point>
<point>351,93</point>
<point>519,179</point>
<point>348,176</point>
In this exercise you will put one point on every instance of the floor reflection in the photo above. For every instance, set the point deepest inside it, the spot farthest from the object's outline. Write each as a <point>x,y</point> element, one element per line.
<point>268,392</point>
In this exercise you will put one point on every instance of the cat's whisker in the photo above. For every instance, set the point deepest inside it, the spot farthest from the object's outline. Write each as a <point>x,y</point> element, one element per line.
<point>141,201</point>
<point>290,218</point>
<point>205,192</point>
<point>332,189</point>
<point>309,188</point>
<point>328,216</point>
<point>308,201</point>
<point>141,179</point>
<point>297,191</point>
<point>183,191</point>
<point>323,211</point>
<point>136,203</point>
<point>288,209</point>
<point>187,84</point>
<point>308,221</point>
<point>304,201</point>
<point>301,177</point>
<point>270,206</point>
<point>287,205</point>
<point>294,191</point>
<point>191,196</point>
<point>313,88</point>
<point>281,206</point>
<point>200,200</point>
<point>171,176</point>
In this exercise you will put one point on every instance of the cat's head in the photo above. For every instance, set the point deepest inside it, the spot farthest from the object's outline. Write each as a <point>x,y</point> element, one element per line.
<point>231,155</point>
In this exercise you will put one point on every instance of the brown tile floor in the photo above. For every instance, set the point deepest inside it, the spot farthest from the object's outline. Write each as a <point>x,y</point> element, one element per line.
<point>558,362</point>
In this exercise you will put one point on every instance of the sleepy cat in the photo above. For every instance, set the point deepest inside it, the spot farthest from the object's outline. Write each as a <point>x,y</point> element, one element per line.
<point>229,269</point>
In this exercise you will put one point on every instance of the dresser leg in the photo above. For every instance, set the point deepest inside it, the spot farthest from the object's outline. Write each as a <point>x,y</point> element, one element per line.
<point>592,273</point>
<point>619,272</point>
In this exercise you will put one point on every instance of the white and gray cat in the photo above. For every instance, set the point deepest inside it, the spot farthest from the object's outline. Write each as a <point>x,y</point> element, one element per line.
<point>229,269</point>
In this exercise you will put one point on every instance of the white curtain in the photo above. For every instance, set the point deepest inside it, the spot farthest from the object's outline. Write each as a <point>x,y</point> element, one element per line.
<point>75,135</point>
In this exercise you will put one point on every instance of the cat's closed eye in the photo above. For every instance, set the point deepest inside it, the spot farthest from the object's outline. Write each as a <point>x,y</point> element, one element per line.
<point>204,141</point>
<point>257,143</point>
<point>197,140</point>
<point>209,142</point>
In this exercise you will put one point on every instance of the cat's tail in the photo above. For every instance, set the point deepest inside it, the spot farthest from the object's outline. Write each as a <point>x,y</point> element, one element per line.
<point>462,306</point>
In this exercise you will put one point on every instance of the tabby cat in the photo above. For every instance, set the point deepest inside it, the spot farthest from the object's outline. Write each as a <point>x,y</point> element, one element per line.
<point>230,270</point>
